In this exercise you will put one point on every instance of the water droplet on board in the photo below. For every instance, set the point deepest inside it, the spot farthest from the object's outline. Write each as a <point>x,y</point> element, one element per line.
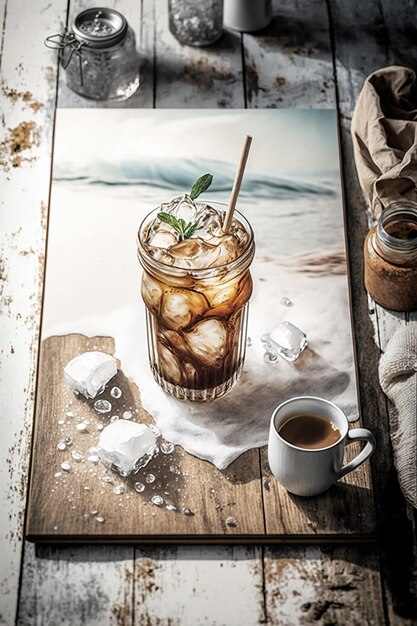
<point>116,392</point>
<point>150,478</point>
<point>157,500</point>
<point>188,512</point>
<point>102,406</point>
<point>139,487</point>
<point>119,489</point>
<point>167,447</point>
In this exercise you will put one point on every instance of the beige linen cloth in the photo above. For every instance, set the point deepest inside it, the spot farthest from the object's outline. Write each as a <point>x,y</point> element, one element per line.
<point>384,134</point>
<point>398,377</point>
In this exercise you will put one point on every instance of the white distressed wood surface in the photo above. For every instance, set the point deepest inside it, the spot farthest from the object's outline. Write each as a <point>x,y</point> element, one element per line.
<point>26,135</point>
<point>76,586</point>
<point>186,585</point>
<point>208,77</point>
<point>289,63</point>
<point>327,586</point>
<point>199,585</point>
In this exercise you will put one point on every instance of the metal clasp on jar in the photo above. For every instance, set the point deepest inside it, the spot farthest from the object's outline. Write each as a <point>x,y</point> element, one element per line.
<point>62,41</point>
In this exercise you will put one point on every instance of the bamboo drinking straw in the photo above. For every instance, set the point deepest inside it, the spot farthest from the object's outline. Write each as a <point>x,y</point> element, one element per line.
<point>237,183</point>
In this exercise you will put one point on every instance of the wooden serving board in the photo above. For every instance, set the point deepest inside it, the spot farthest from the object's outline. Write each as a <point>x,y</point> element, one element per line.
<point>99,196</point>
<point>65,508</point>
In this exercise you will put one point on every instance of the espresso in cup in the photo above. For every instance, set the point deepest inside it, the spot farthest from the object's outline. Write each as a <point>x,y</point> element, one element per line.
<point>309,431</point>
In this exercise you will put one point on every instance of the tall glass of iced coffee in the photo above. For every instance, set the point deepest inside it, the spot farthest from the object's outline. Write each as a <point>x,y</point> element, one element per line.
<point>196,285</point>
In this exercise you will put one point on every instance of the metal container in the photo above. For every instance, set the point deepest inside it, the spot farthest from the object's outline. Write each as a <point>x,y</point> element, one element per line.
<point>99,55</point>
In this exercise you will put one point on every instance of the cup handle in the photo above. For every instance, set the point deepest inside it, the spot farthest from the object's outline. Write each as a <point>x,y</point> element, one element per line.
<point>358,434</point>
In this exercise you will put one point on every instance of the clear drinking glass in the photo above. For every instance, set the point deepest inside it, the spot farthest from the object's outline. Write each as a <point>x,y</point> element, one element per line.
<point>196,319</point>
<point>196,22</point>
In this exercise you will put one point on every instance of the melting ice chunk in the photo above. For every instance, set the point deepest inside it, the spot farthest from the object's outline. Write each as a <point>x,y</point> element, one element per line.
<point>126,446</point>
<point>285,340</point>
<point>89,373</point>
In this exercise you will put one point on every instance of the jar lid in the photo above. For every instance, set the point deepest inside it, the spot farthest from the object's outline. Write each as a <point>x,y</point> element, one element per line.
<point>99,27</point>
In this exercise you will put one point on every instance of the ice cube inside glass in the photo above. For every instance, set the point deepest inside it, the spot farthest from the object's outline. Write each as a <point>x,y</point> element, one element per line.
<point>196,292</point>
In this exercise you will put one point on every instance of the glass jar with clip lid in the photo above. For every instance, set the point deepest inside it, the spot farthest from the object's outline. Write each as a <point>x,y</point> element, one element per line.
<point>99,55</point>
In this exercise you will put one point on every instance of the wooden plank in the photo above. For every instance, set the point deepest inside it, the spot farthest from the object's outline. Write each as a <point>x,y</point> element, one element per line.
<point>77,585</point>
<point>334,585</point>
<point>27,99</point>
<point>362,43</point>
<point>240,484</point>
<point>193,77</point>
<point>223,585</point>
<point>60,506</point>
<point>289,63</point>
<point>142,24</point>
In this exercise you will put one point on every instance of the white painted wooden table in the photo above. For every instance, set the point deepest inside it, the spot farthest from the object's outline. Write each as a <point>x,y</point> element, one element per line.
<point>316,53</point>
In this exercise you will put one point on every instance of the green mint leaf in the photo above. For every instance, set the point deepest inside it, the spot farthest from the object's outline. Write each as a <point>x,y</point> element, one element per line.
<point>183,229</point>
<point>179,225</point>
<point>169,219</point>
<point>200,186</point>
<point>191,229</point>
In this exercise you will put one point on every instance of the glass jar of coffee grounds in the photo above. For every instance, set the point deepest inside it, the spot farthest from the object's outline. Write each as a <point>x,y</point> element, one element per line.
<point>390,254</point>
<point>99,55</point>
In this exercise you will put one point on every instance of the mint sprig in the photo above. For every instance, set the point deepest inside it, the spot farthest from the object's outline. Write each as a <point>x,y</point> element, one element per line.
<point>183,229</point>
<point>201,185</point>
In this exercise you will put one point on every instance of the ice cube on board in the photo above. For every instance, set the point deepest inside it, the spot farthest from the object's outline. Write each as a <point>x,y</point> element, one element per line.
<point>286,340</point>
<point>126,446</point>
<point>89,372</point>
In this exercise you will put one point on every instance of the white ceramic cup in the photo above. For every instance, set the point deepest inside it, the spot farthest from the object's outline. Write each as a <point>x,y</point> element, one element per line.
<point>308,472</point>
